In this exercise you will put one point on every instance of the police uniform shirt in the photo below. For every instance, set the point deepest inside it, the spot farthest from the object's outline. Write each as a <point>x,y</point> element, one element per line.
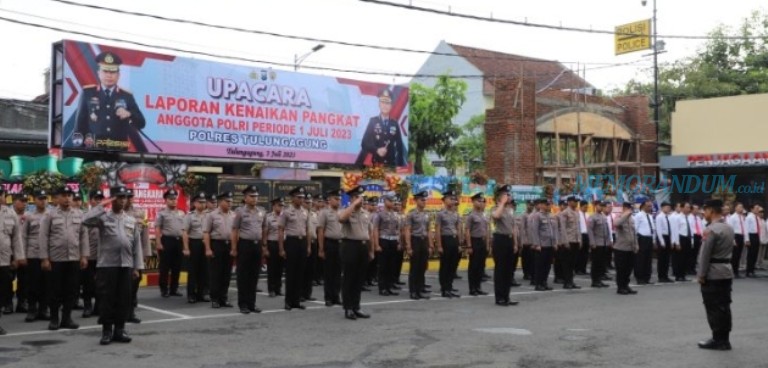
<point>170,222</point>
<point>329,221</point>
<point>193,224</point>
<point>10,237</point>
<point>294,221</point>
<point>626,235</point>
<point>250,222</point>
<point>313,222</point>
<point>505,225</point>
<point>141,221</point>
<point>718,244</point>
<point>418,222</point>
<point>543,230</point>
<point>388,225</point>
<point>449,222</point>
<point>478,224</point>
<point>94,238</point>
<point>357,225</point>
<point>219,224</point>
<point>599,230</point>
<point>272,227</point>
<point>521,227</point>
<point>120,238</point>
<point>63,237</point>
<point>569,223</point>
<point>30,234</point>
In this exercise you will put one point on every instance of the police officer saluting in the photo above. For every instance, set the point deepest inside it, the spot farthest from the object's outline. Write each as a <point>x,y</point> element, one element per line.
<point>716,276</point>
<point>478,243</point>
<point>119,261</point>
<point>64,250</point>
<point>10,245</point>
<point>194,249</point>
<point>356,251</point>
<point>294,246</point>
<point>624,249</point>
<point>599,232</point>
<point>447,229</point>
<point>504,246</point>
<point>247,231</point>
<point>330,236</point>
<point>170,224</point>
<point>217,237</point>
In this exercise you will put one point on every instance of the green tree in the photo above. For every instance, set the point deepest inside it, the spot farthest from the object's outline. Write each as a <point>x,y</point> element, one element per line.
<point>470,147</point>
<point>733,62</point>
<point>432,110</point>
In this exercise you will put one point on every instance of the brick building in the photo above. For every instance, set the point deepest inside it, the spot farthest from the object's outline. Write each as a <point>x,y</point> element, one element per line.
<point>544,123</point>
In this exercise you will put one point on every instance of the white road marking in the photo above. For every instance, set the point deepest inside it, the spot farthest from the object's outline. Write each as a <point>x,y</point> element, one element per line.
<point>505,330</point>
<point>163,311</point>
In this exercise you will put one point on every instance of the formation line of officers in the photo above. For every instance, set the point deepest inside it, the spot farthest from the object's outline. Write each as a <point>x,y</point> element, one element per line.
<point>103,250</point>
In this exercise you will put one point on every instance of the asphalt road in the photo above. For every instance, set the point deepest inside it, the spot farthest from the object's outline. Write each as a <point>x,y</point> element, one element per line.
<point>659,327</point>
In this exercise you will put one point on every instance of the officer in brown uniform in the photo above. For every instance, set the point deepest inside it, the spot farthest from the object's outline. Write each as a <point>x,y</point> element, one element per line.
<point>386,235</point>
<point>526,253</point>
<point>716,276</point>
<point>599,232</point>
<point>194,250</point>
<point>64,250</point>
<point>247,231</point>
<point>330,236</point>
<point>321,201</point>
<point>20,207</point>
<point>504,246</point>
<point>544,232</point>
<point>212,203</point>
<point>274,260</point>
<point>356,251</point>
<point>418,243</point>
<point>448,233</point>
<point>35,277</point>
<point>401,248</point>
<point>624,249</point>
<point>294,246</point>
<point>311,262</point>
<point>217,238</point>
<point>88,275</point>
<point>146,249</point>
<point>11,248</point>
<point>569,224</point>
<point>478,243</point>
<point>169,224</point>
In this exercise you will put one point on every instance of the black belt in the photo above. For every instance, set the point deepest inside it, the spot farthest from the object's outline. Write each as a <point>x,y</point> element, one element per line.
<point>418,237</point>
<point>172,236</point>
<point>719,260</point>
<point>357,241</point>
<point>449,236</point>
<point>221,241</point>
<point>504,235</point>
<point>333,240</point>
<point>295,237</point>
<point>250,240</point>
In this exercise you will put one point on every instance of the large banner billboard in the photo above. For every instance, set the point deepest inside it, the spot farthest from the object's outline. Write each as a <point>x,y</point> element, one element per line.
<point>122,100</point>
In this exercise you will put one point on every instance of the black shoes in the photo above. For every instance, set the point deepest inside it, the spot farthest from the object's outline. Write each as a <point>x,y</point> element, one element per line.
<point>215,305</point>
<point>31,317</point>
<point>715,345</point>
<point>133,319</point>
<point>626,291</point>
<point>348,314</point>
<point>288,307</point>
<point>272,294</point>
<point>106,335</point>
<point>666,281</point>
<point>244,310</point>
<point>164,294</point>
<point>121,336</point>
<point>254,310</point>
<point>328,303</point>
<point>22,307</point>
<point>360,314</point>
<point>67,324</point>
<point>571,287</point>
<point>204,299</point>
<point>2,332</point>
<point>514,284</point>
<point>226,304</point>
<point>424,295</point>
<point>455,295</point>
<point>176,293</point>
<point>446,294</point>
<point>415,296</point>
<point>191,300</point>
<point>300,306</point>
<point>87,311</point>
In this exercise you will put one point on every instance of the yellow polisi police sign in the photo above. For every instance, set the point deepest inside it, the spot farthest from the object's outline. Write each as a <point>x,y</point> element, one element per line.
<point>633,37</point>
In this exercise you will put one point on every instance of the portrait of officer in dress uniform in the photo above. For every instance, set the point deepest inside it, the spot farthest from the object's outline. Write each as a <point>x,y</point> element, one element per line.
<point>383,140</point>
<point>108,117</point>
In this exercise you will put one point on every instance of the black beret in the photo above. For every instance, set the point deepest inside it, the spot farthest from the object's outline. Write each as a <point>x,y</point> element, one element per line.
<point>212,197</point>
<point>450,193</point>
<point>251,189</point>
<point>200,197</point>
<point>278,200</point>
<point>96,194</point>
<point>226,196</point>
<point>478,195</point>
<point>170,193</point>
<point>20,197</point>
<point>373,200</point>
<point>42,193</point>
<point>118,191</point>
<point>422,194</point>
<point>334,193</point>
<point>504,189</point>
<point>356,191</point>
<point>65,190</point>
<point>572,198</point>
<point>77,196</point>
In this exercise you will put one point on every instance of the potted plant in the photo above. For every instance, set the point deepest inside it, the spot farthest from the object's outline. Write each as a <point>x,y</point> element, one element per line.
<point>43,180</point>
<point>91,177</point>
<point>190,183</point>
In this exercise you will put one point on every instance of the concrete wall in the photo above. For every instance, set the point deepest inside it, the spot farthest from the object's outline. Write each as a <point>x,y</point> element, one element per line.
<point>720,125</point>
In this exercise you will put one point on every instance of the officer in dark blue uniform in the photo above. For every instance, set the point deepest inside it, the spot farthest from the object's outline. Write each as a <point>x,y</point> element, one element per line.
<point>108,117</point>
<point>383,139</point>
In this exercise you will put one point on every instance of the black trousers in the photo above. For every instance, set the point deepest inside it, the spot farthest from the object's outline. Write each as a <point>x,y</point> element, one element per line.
<point>387,264</point>
<point>681,257</point>
<point>295,259</point>
<point>736,255</point>
<point>248,267</point>
<point>275,266</point>
<point>447,262</point>
<point>419,258</point>
<point>624,262</point>
<point>135,283</point>
<point>557,264</point>
<point>37,281</point>
<point>644,259</point>
<point>170,262</point>
<point>88,281</point>
<point>503,259</point>
<point>582,255</point>
<point>221,270</point>
<point>717,302</point>
<point>599,257</point>
<point>477,263</point>
<point>662,258</point>
<point>319,266</point>
<point>309,272</point>
<point>64,285</point>
<point>693,257</point>
<point>354,260</point>
<point>113,284</point>
<point>332,270</point>
<point>754,247</point>
<point>6,277</point>
<point>528,261</point>
<point>21,285</point>
<point>400,260</point>
<point>197,270</point>
<point>372,271</point>
<point>567,256</point>
<point>543,264</point>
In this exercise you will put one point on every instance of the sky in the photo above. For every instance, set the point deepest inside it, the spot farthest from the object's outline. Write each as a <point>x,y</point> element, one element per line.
<point>27,50</point>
